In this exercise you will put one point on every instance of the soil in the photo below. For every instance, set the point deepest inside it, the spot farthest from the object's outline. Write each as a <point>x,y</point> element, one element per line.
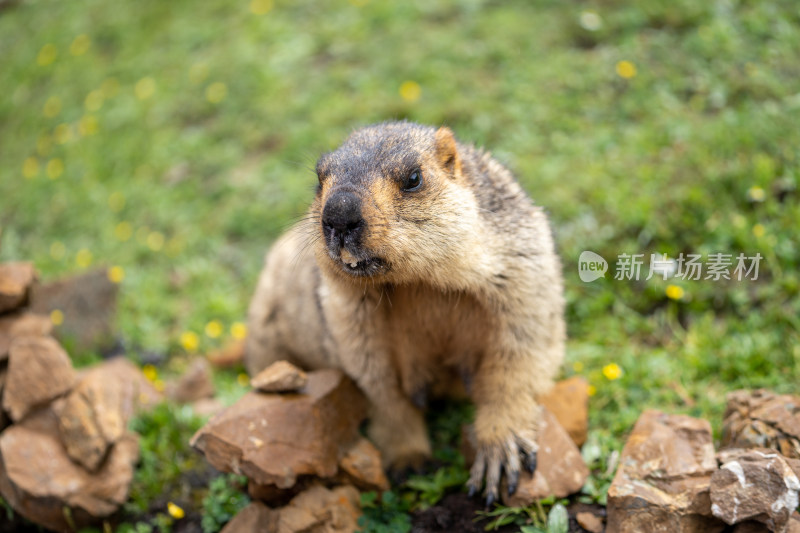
<point>456,513</point>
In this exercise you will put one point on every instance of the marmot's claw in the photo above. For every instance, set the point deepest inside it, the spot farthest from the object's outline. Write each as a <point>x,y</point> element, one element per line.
<point>490,499</point>
<point>530,462</point>
<point>472,490</point>
<point>513,482</point>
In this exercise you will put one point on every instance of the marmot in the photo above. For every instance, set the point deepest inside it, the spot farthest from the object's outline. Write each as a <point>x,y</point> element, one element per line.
<point>420,260</point>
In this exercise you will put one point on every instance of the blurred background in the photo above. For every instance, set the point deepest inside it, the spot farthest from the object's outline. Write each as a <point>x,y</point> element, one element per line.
<point>174,141</point>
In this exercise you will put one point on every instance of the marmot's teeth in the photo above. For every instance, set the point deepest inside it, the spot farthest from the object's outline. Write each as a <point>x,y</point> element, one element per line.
<point>353,265</point>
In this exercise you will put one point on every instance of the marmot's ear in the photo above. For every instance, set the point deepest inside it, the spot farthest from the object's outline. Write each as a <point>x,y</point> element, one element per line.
<point>446,150</point>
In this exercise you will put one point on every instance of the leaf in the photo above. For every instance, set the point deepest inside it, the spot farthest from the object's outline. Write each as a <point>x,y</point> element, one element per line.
<point>558,519</point>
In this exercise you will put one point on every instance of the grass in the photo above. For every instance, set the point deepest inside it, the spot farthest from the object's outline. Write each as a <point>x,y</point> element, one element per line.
<point>176,141</point>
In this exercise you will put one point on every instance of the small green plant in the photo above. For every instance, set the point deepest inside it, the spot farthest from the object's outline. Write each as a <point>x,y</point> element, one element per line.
<point>223,501</point>
<point>430,489</point>
<point>387,514</point>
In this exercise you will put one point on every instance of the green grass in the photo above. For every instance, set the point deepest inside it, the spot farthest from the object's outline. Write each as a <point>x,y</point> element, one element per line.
<point>696,153</point>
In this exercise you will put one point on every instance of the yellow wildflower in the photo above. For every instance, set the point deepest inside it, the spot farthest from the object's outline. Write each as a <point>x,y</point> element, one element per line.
<point>243,379</point>
<point>87,125</point>
<point>30,168</point>
<point>116,274</point>
<point>612,371</point>
<point>174,511</point>
<point>756,194</point>
<point>84,258</point>
<point>214,329</point>
<point>62,134</point>
<point>674,292</point>
<point>55,167</point>
<point>145,88</point>
<point>150,372</point>
<point>80,45</point>
<point>260,7</point>
<point>56,317</point>
<point>190,341</point>
<point>410,91</point>
<point>592,390</point>
<point>52,107</point>
<point>577,366</point>
<point>155,241</point>
<point>759,230</point>
<point>238,330</point>
<point>123,231</point>
<point>46,55</point>
<point>109,87</point>
<point>216,92</point>
<point>626,69</point>
<point>116,201</point>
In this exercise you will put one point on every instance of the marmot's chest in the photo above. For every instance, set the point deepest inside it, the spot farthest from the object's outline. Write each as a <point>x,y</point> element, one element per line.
<point>436,331</point>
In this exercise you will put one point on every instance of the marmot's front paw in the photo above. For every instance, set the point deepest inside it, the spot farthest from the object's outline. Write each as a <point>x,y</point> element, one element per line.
<point>517,450</point>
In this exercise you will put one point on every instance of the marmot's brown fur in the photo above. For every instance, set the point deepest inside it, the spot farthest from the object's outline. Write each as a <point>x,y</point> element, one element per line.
<point>421,260</point>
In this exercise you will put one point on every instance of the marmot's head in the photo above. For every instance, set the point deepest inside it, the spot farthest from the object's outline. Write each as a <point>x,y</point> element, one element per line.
<point>392,205</point>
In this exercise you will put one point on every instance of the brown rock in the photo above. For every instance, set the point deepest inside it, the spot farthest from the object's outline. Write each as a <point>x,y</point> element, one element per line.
<point>794,523</point>
<point>22,325</point>
<point>754,485</point>
<point>195,384</point>
<point>274,438</point>
<point>662,483</point>
<point>39,480</point>
<point>362,467</point>
<point>319,510</point>
<point>255,518</point>
<point>91,418</point>
<point>280,376</point>
<point>569,402</point>
<point>762,419</point>
<point>560,468</point>
<point>15,283</point>
<point>39,370</point>
<point>230,355</point>
<point>89,304</point>
<point>136,392</point>
<point>589,522</point>
<point>207,407</point>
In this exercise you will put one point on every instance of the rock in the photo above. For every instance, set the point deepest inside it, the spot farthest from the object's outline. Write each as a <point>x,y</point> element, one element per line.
<point>91,418</point>
<point>569,402</point>
<point>662,483</point>
<point>39,370</point>
<point>274,438</point>
<point>589,522</point>
<point>362,467</point>
<point>228,356</point>
<point>38,479</point>
<point>755,485</point>
<point>195,384</point>
<point>22,325</point>
<point>89,304</point>
<point>136,392</point>
<point>319,510</point>
<point>560,468</point>
<point>280,376</point>
<point>762,419</point>
<point>16,280</point>
<point>255,518</point>
<point>207,407</point>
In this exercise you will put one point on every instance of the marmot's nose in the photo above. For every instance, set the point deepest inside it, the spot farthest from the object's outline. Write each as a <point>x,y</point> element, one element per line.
<point>342,215</point>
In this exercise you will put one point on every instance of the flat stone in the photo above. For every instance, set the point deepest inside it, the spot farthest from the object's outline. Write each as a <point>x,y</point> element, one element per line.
<point>16,280</point>
<point>22,324</point>
<point>207,407</point>
<point>89,304</point>
<point>280,376</point>
<point>39,370</point>
<point>274,438</point>
<point>560,469</point>
<point>91,418</point>
<point>320,510</point>
<point>38,479</point>
<point>569,402</point>
<point>590,522</point>
<point>136,392</point>
<point>255,518</point>
<point>195,384</point>
<point>228,356</point>
<point>762,419</point>
<point>754,485</point>
<point>663,479</point>
<point>362,467</point>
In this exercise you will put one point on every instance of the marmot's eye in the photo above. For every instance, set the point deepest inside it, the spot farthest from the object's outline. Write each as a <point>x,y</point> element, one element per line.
<point>413,181</point>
